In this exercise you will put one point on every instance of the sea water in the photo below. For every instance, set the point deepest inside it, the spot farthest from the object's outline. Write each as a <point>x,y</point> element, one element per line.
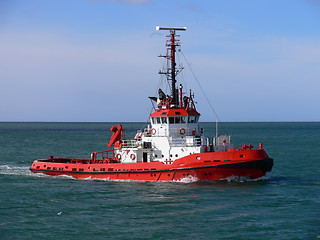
<point>283,205</point>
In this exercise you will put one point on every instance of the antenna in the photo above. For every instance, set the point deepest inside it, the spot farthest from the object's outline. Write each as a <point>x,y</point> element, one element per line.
<point>171,44</point>
<point>216,127</point>
<point>171,28</point>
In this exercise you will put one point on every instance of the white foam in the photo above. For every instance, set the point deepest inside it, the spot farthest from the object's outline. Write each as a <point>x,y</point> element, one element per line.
<point>245,179</point>
<point>63,176</point>
<point>187,179</point>
<point>14,170</point>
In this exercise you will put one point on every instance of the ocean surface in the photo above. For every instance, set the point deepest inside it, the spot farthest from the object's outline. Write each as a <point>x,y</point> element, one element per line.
<point>283,205</point>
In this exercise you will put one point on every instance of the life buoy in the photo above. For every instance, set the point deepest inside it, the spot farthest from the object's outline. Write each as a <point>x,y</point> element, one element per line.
<point>132,156</point>
<point>182,131</point>
<point>118,156</point>
<point>153,131</point>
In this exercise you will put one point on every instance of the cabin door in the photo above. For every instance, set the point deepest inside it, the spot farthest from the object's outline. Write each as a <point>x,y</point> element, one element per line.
<point>145,157</point>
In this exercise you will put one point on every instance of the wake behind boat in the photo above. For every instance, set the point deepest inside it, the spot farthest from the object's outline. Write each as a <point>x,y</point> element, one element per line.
<point>171,148</point>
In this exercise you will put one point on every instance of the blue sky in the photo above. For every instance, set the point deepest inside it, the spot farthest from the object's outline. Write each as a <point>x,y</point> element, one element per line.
<point>96,60</point>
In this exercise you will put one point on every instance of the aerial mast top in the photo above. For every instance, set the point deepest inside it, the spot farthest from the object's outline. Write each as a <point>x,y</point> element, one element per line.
<point>171,44</point>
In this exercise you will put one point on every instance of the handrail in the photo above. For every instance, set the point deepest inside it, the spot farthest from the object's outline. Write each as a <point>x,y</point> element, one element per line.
<point>196,141</point>
<point>105,155</point>
<point>129,143</point>
<point>221,140</point>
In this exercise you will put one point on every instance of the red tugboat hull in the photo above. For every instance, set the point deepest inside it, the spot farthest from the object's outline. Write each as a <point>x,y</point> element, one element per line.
<point>208,166</point>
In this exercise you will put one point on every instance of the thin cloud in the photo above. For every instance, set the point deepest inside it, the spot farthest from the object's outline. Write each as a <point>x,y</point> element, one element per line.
<point>191,7</point>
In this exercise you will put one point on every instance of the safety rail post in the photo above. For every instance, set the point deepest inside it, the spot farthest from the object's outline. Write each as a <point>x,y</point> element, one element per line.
<point>104,154</point>
<point>93,156</point>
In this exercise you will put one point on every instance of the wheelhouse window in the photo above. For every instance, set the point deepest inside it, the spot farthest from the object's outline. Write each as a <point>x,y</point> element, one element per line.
<point>178,120</point>
<point>159,120</point>
<point>164,120</point>
<point>193,119</point>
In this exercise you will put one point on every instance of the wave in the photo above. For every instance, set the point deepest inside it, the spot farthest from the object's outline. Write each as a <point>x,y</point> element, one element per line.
<point>187,179</point>
<point>25,171</point>
<point>246,179</point>
<point>14,170</point>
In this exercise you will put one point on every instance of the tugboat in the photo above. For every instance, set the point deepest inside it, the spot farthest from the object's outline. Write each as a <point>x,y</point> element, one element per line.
<point>171,148</point>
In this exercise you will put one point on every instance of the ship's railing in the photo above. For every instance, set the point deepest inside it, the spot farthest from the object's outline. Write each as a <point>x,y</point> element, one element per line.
<point>187,142</point>
<point>147,132</point>
<point>129,143</point>
<point>106,155</point>
<point>221,140</point>
<point>172,130</point>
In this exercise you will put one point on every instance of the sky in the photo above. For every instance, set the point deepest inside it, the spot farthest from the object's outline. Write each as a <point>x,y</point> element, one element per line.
<point>96,60</point>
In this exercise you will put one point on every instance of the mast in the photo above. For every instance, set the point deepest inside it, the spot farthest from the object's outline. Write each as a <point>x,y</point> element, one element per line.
<point>173,66</point>
<point>172,44</point>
